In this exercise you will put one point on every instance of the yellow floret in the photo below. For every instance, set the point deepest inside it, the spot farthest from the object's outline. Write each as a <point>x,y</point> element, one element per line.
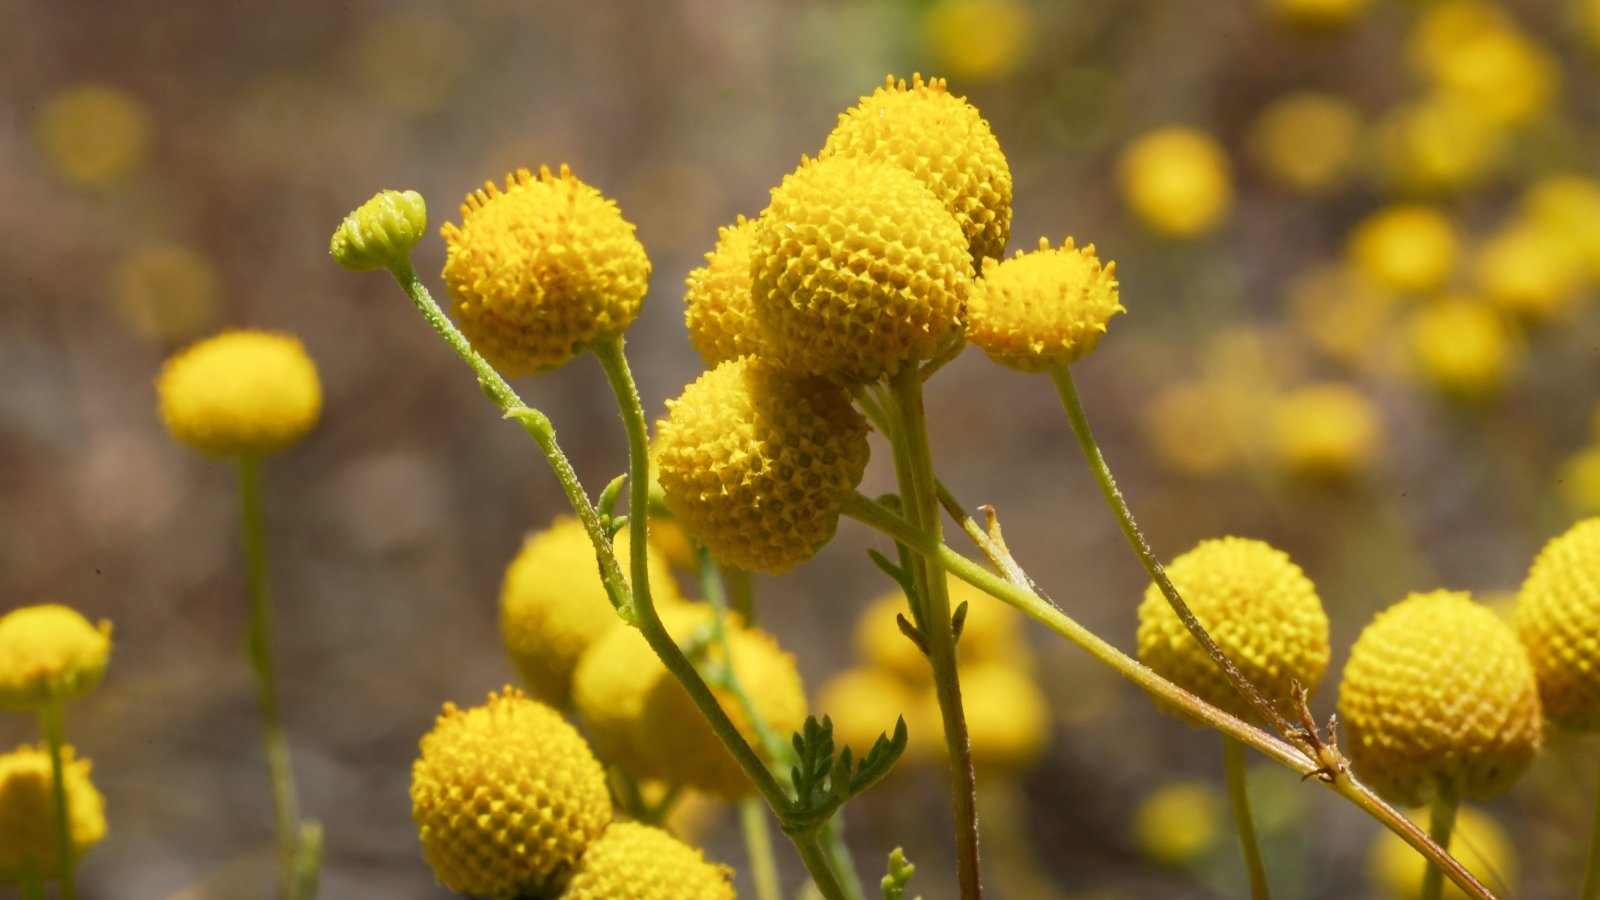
<point>93,135</point>
<point>858,270</point>
<point>1326,431</point>
<point>542,269</point>
<point>1438,695</point>
<point>1306,142</point>
<point>1557,612</point>
<point>756,463</point>
<point>241,393</point>
<point>1318,14</point>
<point>380,232</point>
<point>49,654</point>
<point>553,605</point>
<point>631,861</point>
<point>506,796</point>
<point>643,720</point>
<point>1042,310</point>
<point>165,292</point>
<point>1178,824</point>
<point>1462,348</point>
<point>719,312</point>
<point>29,844</point>
<point>1395,869</point>
<point>991,633</point>
<point>1176,180</point>
<point>1261,610</point>
<point>945,143</point>
<point>1405,247</point>
<point>979,39</point>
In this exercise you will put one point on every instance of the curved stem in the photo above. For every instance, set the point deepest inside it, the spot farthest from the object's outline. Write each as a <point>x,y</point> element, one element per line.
<point>275,742</point>
<point>1591,872</point>
<point>1328,769</point>
<point>758,848</point>
<point>1440,824</point>
<point>52,724</point>
<point>1239,798</point>
<point>918,497</point>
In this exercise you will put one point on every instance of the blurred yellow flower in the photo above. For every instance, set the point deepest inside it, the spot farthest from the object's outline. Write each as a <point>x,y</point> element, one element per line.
<point>1317,14</point>
<point>1579,481</point>
<point>93,135</point>
<point>1460,346</point>
<point>1436,144</point>
<point>864,702</point>
<point>1187,429</point>
<point>29,847</point>
<point>1529,271</point>
<point>1405,247</point>
<point>1008,718</point>
<point>1568,206</point>
<point>1345,315</point>
<point>1507,78</point>
<point>1179,823</point>
<point>240,393</point>
<point>1330,431</point>
<point>49,654</point>
<point>1478,842</point>
<point>1306,142</point>
<point>979,40</point>
<point>165,292</point>
<point>1177,181</point>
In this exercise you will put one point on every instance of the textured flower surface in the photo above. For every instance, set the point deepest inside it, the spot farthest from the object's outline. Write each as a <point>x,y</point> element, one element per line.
<point>756,463</point>
<point>1558,619</point>
<point>941,139</point>
<point>1258,606</point>
<point>381,231</point>
<point>49,653</point>
<point>29,846</point>
<point>719,313</point>
<point>858,270</point>
<point>1040,310</point>
<point>1439,695</point>
<point>541,269</point>
<point>631,861</point>
<point>240,393</point>
<point>506,796</point>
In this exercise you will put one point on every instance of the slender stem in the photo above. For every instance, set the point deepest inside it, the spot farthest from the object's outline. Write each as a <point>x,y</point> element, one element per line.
<point>1329,769</point>
<point>33,886</point>
<point>711,585</point>
<point>308,862</point>
<point>1591,872</point>
<point>275,743</point>
<point>741,594</point>
<point>1239,797</point>
<point>1440,824</point>
<point>758,848</point>
<point>52,724</point>
<point>921,503</point>
<point>814,853</point>
<point>1062,376</point>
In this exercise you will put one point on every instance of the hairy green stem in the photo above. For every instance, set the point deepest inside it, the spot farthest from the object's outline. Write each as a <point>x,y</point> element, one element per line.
<point>758,848</point>
<point>1239,797</point>
<point>921,504</point>
<point>52,722</point>
<point>1591,871</point>
<point>1329,769</point>
<point>1440,824</point>
<point>275,743</point>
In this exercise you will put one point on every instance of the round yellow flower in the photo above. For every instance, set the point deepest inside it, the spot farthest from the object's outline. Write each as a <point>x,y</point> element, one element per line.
<point>1042,310</point>
<point>1461,347</point>
<point>553,605</point>
<point>1407,248</point>
<point>1436,144</point>
<point>542,269</point>
<point>1529,270</point>
<point>631,861</point>
<point>1474,51</point>
<point>506,796</point>
<point>945,143</point>
<point>240,393</point>
<point>720,314</point>
<point>1328,431</point>
<point>1261,610</point>
<point>93,135</point>
<point>643,720</point>
<point>1177,181</point>
<point>1182,425</point>
<point>1395,869</point>
<point>1568,205</point>
<point>858,270</point>
<point>165,292</point>
<point>1306,142</point>
<point>1556,614</point>
<point>29,846</point>
<point>1438,695</point>
<point>979,40</point>
<point>1179,823</point>
<point>756,463</point>
<point>380,233</point>
<point>49,654</point>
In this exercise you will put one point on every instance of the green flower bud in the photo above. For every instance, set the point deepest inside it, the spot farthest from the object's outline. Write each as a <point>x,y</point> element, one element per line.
<point>381,232</point>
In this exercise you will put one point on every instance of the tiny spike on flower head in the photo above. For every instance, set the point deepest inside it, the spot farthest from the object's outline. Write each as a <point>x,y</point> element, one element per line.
<point>1041,310</point>
<point>541,269</point>
<point>29,841</point>
<point>719,313</point>
<point>240,393</point>
<point>631,861</point>
<point>1557,612</point>
<point>380,233</point>
<point>49,654</point>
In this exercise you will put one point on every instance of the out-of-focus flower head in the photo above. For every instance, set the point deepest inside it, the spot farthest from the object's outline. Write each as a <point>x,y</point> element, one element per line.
<point>1177,181</point>
<point>165,292</point>
<point>1306,142</point>
<point>93,135</point>
<point>979,40</point>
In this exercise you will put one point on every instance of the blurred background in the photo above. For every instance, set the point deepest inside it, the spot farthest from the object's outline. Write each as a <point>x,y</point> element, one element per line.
<point>1358,241</point>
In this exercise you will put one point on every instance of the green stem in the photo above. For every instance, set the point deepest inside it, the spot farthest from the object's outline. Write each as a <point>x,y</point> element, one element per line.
<point>33,886</point>
<point>1062,376</point>
<point>275,743</point>
<point>921,504</point>
<point>1591,872</point>
<point>1440,824</point>
<point>814,853</point>
<point>758,847</point>
<point>1328,767</point>
<point>1239,797</point>
<point>52,724</point>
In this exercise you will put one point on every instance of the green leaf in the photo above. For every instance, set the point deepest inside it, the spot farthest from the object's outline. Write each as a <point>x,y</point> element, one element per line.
<point>608,497</point>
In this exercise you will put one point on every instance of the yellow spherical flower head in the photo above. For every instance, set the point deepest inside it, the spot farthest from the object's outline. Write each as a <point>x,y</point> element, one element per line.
<point>29,843</point>
<point>1436,144</point>
<point>1317,14</point>
<point>49,654</point>
<point>1556,614</point>
<point>1008,718</point>
<point>945,143</point>
<point>1326,431</point>
<point>1306,142</point>
<point>93,135</point>
<point>1395,868</point>
<point>541,269</point>
<point>380,232</point>
<point>506,796</point>
<point>240,393</point>
<point>1407,248</point>
<point>165,292</point>
<point>1180,823</point>
<point>1475,53</point>
<point>1438,695</point>
<point>720,313</point>
<point>1261,610</point>
<point>979,39</point>
<point>1462,348</point>
<point>1042,310</point>
<point>857,271</point>
<point>1530,270</point>
<point>553,605</point>
<point>1568,205</point>
<point>1176,180</point>
<point>643,720</point>
<point>755,463</point>
<point>631,861</point>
